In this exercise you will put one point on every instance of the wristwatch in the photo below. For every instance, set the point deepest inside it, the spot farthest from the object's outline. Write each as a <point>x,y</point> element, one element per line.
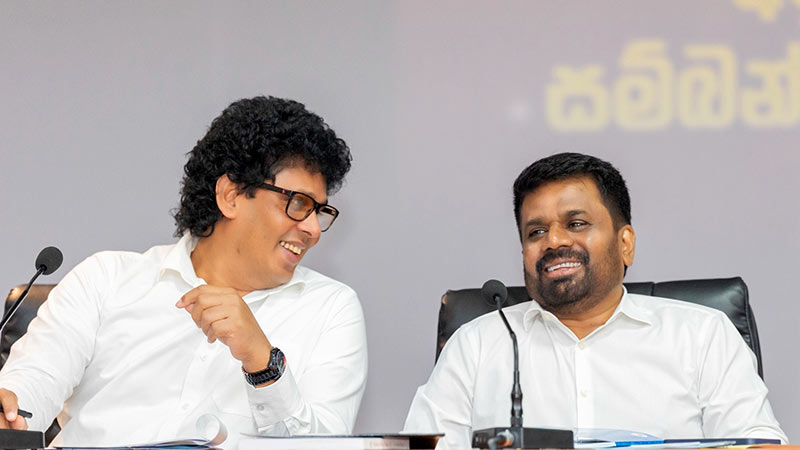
<point>274,370</point>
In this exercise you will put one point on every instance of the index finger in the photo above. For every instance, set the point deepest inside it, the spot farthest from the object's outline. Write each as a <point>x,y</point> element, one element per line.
<point>8,400</point>
<point>192,295</point>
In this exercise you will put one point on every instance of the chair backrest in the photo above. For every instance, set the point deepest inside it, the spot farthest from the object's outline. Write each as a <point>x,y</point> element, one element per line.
<point>726,294</point>
<point>18,324</point>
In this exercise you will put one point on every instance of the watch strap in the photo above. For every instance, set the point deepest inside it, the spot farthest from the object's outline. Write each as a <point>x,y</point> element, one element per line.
<point>274,370</point>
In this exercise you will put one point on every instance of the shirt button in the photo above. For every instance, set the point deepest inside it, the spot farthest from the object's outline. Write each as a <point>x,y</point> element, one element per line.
<point>185,406</point>
<point>202,358</point>
<point>581,345</point>
<point>260,407</point>
<point>584,393</point>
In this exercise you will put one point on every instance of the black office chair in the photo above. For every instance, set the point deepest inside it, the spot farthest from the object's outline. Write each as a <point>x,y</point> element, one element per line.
<point>726,294</point>
<point>18,325</point>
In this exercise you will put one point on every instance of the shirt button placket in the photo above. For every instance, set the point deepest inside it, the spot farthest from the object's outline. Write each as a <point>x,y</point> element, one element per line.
<point>583,383</point>
<point>192,388</point>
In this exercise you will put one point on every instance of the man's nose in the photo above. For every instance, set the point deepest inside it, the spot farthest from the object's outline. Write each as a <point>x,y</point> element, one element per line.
<point>310,225</point>
<point>558,236</point>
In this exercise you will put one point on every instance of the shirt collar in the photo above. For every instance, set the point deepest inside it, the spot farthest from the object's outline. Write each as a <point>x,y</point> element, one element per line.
<point>534,310</point>
<point>179,261</point>
<point>627,307</point>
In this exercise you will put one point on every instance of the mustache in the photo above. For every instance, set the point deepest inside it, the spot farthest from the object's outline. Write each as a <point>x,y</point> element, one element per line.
<point>562,253</point>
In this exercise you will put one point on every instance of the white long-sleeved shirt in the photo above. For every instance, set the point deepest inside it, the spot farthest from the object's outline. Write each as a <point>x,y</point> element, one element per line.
<point>665,367</point>
<point>128,367</point>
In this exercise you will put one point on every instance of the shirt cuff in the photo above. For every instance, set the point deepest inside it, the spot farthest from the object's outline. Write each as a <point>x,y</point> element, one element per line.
<point>26,401</point>
<point>276,402</point>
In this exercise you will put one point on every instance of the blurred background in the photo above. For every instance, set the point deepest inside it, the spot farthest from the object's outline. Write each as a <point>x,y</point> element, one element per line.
<point>443,104</point>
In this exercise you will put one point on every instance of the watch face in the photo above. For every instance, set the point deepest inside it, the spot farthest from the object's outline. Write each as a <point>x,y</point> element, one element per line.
<point>277,360</point>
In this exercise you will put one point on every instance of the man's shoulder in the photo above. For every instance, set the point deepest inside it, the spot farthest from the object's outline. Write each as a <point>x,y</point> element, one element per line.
<point>487,334</point>
<point>491,322</point>
<point>668,309</point>
<point>121,261</point>
<point>155,253</point>
<point>319,283</point>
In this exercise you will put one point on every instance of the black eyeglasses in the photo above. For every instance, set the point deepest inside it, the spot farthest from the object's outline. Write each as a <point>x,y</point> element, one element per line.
<point>300,206</point>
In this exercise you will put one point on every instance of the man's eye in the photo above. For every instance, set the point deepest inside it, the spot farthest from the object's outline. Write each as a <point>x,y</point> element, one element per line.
<point>536,232</point>
<point>577,224</point>
<point>300,203</point>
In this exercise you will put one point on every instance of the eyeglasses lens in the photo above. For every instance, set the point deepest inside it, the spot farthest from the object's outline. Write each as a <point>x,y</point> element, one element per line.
<point>326,215</point>
<point>300,206</point>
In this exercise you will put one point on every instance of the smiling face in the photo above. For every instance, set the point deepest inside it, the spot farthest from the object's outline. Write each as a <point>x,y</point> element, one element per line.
<point>279,243</point>
<point>262,245</point>
<point>573,255</point>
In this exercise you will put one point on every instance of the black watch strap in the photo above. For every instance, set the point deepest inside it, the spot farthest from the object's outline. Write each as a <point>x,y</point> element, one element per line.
<point>274,370</point>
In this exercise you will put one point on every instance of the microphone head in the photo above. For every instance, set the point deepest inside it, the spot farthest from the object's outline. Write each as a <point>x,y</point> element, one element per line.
<point>493,290</point>
<point>50,258</point>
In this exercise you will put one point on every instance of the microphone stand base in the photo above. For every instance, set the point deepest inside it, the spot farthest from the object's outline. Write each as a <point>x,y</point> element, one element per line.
<point>21,439</point>
<point>526,437</point>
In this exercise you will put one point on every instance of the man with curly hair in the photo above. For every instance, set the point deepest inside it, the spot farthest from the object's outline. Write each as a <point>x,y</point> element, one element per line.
<point>133,348</point>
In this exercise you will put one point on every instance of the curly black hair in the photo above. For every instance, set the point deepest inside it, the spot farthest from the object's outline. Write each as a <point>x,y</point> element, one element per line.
<point>567,165</point>
<point>251,141</point>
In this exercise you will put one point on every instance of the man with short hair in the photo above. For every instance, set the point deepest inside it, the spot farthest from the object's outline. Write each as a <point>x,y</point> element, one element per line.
<point>134,347</point>
<point>591,354</point>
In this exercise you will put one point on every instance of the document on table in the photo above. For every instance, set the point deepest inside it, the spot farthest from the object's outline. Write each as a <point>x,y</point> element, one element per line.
<point>394,441</point>
<point>211,430</point>
<point>612,438</point>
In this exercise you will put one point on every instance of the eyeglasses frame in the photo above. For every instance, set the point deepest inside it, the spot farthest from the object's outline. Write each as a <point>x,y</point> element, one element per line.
<point>290,194</point>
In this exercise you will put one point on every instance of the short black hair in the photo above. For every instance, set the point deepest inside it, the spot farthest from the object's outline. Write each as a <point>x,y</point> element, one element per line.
<point>568,165</point>
<point>251,141</point>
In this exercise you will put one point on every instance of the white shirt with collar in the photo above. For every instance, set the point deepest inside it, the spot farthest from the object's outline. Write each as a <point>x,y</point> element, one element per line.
<point>129,367</point>
<point>665,367</point>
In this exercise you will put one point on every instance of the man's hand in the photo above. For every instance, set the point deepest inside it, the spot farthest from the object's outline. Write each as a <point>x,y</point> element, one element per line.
<point>222,314</point>
<point>10,418</point>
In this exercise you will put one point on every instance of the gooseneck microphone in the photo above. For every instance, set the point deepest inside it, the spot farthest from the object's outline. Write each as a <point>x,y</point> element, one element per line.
<point>496,294</point>
<point>49,259</point>
<point>515,436</point>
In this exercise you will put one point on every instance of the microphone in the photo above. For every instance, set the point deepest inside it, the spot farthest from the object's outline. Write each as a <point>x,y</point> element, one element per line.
<point>496,293</point>
<point>48,261</point>
<point>515,436</point>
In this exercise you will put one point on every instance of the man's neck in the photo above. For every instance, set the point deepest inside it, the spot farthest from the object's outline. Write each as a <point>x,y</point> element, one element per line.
<point>212,264</point>
<point>582,321</point>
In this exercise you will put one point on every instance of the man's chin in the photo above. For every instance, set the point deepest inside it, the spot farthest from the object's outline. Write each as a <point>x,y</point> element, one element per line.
<point>560,286</point>
<point>555,293</point>
<point>279,275</point>
<point>560,293</point>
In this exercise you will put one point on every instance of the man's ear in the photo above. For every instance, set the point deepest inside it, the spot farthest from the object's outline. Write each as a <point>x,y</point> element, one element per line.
<point>627,241</point>
<point>227,196</point>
